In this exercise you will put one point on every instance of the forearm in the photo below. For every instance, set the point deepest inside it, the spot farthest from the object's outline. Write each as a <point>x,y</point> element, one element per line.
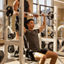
<point>43,25</point>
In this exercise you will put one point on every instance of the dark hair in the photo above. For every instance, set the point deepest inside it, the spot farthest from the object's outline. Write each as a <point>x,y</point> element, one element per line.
<point>26,22</point>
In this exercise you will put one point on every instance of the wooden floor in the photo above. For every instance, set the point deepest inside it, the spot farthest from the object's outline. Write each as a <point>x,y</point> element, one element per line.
<point>32,62</point>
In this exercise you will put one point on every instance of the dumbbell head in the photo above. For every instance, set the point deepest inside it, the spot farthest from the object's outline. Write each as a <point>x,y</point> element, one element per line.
<point>11,35</point>
<point>50,46</point>
<point>11,48</point>
<point>50,16</point>
<point>9,11</point>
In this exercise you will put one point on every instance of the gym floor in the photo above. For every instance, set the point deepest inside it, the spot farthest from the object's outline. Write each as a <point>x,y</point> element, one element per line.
<point>15,60</point>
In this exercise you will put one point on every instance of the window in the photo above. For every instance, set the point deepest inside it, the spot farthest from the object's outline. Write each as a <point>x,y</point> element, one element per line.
<point>1,7</point>
<point>34,1</point>
<point>42,9</point>
<point>48,2</point>
<point>41,2</point>
<point>1,4</point>
<point>1,19</point>
<point>34,8</point>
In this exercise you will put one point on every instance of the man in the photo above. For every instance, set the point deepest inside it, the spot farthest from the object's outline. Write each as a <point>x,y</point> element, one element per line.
<point>32,38</point>
<point>16,11</point>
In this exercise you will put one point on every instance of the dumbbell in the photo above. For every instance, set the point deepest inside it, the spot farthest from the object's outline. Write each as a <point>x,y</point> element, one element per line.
<point>11,48</point>
<point>16,53</point>
<point>11,35</point>
<point>43,44</point>
<point>50,46</point>
<point>52,34</point>
<point>9,11</point>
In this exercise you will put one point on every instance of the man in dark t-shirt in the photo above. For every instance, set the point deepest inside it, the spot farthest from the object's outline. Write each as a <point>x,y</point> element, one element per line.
<point>32,38</point>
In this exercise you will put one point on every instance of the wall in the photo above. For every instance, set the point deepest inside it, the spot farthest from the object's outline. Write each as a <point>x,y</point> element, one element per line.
<point>61,20</point>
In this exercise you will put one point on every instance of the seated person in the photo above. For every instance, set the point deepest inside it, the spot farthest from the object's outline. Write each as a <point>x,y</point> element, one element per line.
<point>16,11</point>
<point>32,38</point>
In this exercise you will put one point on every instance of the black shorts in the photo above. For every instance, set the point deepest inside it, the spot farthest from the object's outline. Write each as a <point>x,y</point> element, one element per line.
<point>17,27</point>
<point>17,23</point>
<point>43,51</point>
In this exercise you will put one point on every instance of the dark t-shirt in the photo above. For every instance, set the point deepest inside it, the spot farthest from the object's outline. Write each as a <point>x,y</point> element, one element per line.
<point>32,38</point>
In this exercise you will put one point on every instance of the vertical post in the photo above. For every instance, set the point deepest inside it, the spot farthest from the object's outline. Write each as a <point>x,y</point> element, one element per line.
<point>55,29</point>
<point>46,21</point>
<point>21,28</point>
<point>4,33</point>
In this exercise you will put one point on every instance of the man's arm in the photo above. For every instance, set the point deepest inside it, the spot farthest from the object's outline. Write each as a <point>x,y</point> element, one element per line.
<point>44,24</point>
<point>15,5</point>
<point>24,30</point>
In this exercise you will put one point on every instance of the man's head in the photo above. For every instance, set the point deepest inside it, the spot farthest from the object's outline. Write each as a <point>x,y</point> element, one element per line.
<point>29,24</point>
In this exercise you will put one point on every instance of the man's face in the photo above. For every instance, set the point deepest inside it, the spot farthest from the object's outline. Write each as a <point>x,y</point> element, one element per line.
<point>30,24</point>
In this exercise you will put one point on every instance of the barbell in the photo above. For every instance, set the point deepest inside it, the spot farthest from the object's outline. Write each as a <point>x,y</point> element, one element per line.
<point>9,12</point>
<point>49,15</point>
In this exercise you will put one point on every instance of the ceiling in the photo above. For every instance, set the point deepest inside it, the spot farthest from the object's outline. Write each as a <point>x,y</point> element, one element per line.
<point>59,3</point>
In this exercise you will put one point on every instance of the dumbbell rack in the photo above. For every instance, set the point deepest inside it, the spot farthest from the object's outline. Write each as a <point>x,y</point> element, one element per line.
<point>54,39</point>
<point>15,42</point>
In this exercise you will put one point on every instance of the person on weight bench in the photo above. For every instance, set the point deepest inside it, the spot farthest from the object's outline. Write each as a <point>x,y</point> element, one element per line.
<point>16,11</point>
<point>32,38</point>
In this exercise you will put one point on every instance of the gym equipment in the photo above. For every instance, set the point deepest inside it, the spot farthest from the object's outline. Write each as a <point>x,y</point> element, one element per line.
<point>58,44</point>
<point>50,31</point>
<point>61,26</point>
<point>63,43</point>
<point>29,54</point>
<point>43,44</point>
<point>11,48</point>
<point>52,34</point>
<point>16,53</point>
<point>1,55</point>
<point>11,35</point>
<point>42,34</point>
<point>50,46</point>
<point>50,15</point>
<point>9,11</point>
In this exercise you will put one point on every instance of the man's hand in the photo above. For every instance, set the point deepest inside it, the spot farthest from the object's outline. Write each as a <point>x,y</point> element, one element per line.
<point>43,15</point>
<point>35,15</point>
<point>44,20</point>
